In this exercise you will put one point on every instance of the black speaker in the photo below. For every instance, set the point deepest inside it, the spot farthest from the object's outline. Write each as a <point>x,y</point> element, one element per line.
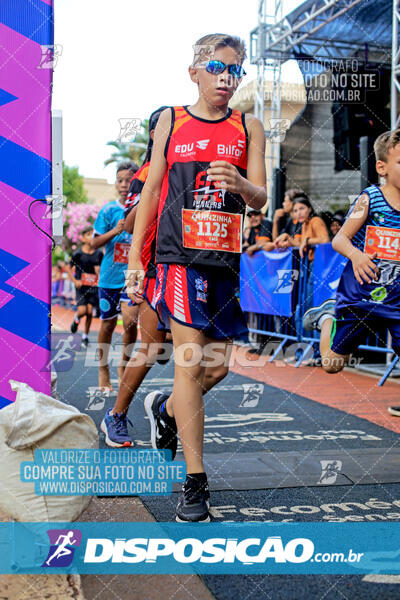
<point>359,112</point>
<point>367,162</point>
<point>278,188</point>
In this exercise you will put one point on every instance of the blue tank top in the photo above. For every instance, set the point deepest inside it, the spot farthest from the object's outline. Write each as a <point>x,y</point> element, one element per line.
<point>380,298</point>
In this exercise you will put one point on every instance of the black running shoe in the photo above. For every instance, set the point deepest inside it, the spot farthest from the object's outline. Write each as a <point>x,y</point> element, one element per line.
<point>163,427</point>
<point>74,325</point>
<point>85,342</point>
<point>194,501</point>
<point>394,410</point>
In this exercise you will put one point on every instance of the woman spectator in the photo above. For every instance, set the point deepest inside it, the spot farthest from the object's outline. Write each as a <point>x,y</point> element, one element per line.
<point>313,229</point>
<point>283,221</point>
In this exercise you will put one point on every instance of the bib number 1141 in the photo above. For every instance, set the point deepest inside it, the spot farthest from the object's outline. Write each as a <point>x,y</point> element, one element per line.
<point>385,241</point>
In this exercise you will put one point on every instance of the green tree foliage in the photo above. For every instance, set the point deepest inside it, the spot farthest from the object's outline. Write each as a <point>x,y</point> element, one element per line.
<point>135,150</point>
<point>73,188</point>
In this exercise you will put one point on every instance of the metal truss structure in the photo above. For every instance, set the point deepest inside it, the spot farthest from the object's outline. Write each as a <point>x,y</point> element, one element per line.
<point>276,40</point>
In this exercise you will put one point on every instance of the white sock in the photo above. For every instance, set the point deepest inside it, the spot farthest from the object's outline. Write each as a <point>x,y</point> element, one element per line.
<point>322,319</point>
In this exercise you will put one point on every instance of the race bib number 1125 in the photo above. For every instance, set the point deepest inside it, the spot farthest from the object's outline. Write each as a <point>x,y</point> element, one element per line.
<point>211,230</point>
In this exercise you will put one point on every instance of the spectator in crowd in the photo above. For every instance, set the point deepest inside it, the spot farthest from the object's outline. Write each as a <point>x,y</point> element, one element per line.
<point>313,229</point>
<point>259,235</point>
<point>327,218</point>
<point>337,222</point>
<point>283,221</point>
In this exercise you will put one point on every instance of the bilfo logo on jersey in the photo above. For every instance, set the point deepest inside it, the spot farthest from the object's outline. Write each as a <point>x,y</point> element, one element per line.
<point>207,194</point>
<point>62,547</point>
<point>231,149</point>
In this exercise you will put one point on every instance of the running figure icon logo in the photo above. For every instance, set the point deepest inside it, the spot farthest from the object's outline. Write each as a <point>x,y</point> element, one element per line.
<point>286,280</point>
<point>63,349</point>
<point>97,397</point>
<point>61,552</point>
<point>252,392</point>
<point>330,471</point>
<point>49,56</point>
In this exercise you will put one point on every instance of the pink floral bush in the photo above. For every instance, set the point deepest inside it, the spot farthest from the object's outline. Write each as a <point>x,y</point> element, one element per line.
<point>76,218</point>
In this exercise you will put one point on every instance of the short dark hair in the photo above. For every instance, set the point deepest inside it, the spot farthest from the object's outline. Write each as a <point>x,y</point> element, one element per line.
<point>294,193</point>
<point>127,165</point>
<point>304,200</point>
<point>153,120</point>
<point>87,229</point>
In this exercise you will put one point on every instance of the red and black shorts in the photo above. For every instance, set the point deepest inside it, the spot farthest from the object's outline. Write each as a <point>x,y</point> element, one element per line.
<point>204,298</point>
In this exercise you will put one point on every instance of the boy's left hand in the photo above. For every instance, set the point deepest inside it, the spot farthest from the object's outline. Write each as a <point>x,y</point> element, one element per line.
<point>227,175</point>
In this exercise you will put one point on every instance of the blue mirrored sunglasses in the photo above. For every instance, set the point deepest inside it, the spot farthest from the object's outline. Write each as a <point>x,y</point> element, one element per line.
<point>217,67</point>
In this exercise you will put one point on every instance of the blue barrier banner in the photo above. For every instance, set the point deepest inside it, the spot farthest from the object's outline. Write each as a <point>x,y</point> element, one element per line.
<point>328,267</point>
<point>266,282</point>
<point>219,548</point>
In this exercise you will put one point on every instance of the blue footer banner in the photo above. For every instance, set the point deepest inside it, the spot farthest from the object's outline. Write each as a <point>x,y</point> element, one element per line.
<point>266,282</point>
<point>218,548</point>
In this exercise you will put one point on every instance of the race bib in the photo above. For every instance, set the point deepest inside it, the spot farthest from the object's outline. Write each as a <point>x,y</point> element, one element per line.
<point>211,230</point>
<point>383,240</point>
<point>89,279</point>
<point>121,252</point>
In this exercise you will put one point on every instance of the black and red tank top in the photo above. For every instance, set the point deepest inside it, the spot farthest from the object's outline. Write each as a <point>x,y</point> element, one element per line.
<point>198,221</point>
<point>149,247</point>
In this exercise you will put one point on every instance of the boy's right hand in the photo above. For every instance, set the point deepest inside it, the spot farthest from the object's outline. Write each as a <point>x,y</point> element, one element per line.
<point>119,228</point>
<point>364,269</point>
<point>134,279</point>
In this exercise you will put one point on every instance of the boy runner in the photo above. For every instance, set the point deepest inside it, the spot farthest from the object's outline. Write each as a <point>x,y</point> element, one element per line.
<point>213,158</point>
<point>369,288</point>
<point>109,232</point>
<point>86,262</point>
<point>114,424</point>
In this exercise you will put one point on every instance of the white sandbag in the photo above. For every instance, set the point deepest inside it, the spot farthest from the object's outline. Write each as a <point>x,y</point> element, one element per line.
<point>36,421</point>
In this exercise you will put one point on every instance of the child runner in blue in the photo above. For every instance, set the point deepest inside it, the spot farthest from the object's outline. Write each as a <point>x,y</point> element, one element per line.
<point>109,232</point>
<point>369,288</point>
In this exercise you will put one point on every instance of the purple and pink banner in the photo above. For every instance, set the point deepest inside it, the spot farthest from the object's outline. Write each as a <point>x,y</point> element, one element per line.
<point>26,31</point>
